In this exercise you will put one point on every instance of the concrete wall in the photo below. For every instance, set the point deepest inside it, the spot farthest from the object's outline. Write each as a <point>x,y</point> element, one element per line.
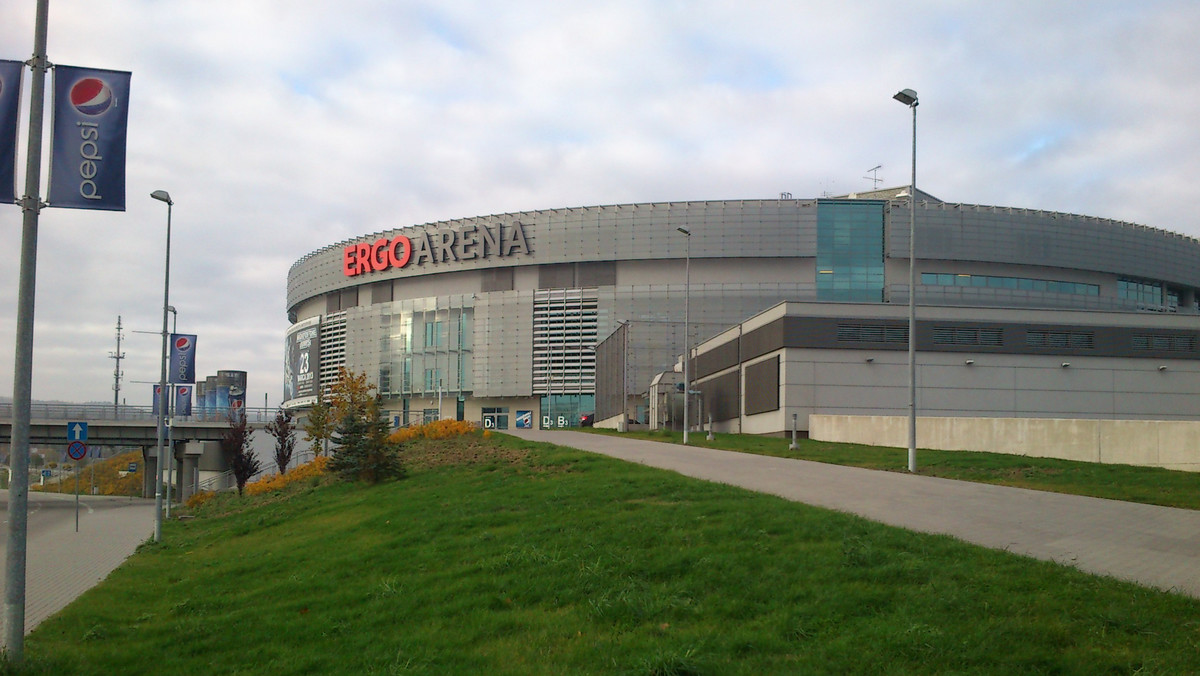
<point>1152,443</point>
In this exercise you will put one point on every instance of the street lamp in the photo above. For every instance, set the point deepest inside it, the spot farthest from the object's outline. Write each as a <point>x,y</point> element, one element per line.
<point>162,196</point>
<point>171,418</point>
<point>909,98</point>
<point>687,348</point>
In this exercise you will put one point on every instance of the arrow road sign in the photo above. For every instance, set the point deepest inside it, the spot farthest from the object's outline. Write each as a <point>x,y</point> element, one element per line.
<point>77,431</point>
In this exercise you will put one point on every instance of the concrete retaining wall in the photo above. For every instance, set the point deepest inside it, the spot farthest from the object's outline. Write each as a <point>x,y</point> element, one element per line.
<point>1151,443</point>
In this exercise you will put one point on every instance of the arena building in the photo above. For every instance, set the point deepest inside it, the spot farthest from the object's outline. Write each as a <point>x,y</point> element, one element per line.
<point>500,319</point>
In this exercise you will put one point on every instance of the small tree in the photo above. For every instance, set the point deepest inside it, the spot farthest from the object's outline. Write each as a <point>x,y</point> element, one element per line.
<point>235,443</point>
<point>318,425</point>
<point>350,394</point>
<point>284,431</point>
<point>364,452</point>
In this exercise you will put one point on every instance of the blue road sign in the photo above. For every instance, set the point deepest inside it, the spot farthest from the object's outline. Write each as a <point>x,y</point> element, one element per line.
<point>77,431</point>
<point>77,449</point>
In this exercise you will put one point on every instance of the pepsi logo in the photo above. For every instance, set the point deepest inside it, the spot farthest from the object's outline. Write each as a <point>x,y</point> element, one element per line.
<point>183,343</point>
<point>183,391</point>
<point>92,96</point>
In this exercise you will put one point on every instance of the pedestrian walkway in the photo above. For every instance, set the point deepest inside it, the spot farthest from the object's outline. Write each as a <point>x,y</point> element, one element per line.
<point>1154,546</point>
<point>61,564</point>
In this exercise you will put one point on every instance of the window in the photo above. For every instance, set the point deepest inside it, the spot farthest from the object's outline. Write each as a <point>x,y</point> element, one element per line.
<point>1022,283</point>
<point>850,250</point>
<point>433,379</point>
<point>433,333</point>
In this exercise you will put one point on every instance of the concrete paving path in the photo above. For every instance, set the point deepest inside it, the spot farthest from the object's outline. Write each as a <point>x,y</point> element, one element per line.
<point>1154,546</point>
<point>60,563</point>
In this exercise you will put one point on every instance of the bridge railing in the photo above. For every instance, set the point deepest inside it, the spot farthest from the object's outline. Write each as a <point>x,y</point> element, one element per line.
<point>99,412</point>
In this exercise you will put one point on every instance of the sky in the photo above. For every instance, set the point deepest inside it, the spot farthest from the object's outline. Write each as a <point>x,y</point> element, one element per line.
<point>282,126</point>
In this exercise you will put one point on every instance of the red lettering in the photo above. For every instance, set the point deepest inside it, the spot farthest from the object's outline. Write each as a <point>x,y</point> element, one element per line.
<point>399,262</point>
<point>348,267</point>
<point>362,257</point>
<point>378,262</point>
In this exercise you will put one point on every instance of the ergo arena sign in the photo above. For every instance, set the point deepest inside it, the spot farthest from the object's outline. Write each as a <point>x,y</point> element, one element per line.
<point>439,246</point>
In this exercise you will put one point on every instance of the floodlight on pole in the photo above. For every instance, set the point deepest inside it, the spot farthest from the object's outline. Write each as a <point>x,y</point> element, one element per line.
<point>909,98</point>
<point>171,420</point>
<point>687,347</point>
<point>162,196</point>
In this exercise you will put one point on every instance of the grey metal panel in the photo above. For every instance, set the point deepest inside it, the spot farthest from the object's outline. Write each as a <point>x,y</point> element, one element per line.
<point>762,386</point>
<point>1024,237</point>
<point>746,228</point>
<point>503,345</point>
<point>719,397</point>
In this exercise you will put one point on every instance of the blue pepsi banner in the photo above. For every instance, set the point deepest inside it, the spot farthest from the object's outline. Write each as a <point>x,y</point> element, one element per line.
<point>183,400</point>
<point>10,109</point>
<point>87,147</point>
<point>157,396</point>
<point>182,367</point>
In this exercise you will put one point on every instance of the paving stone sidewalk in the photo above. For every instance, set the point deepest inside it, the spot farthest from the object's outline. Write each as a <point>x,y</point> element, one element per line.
<point>1154,546</point>
<point>62,564</point>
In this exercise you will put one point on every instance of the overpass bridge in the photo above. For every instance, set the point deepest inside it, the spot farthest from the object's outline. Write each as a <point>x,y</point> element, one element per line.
<point>136,426</point>
<point>119,425</point>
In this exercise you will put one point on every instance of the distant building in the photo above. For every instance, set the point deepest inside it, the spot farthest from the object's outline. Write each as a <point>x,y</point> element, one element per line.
<point>496,319</point>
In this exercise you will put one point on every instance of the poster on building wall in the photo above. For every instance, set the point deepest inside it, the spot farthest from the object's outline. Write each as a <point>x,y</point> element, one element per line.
<point>231,391</point>
<point>302,354</point>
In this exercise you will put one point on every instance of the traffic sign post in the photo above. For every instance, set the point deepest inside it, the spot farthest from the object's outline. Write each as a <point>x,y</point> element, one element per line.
<point>77,434</point>
<point>77,450</point>
<point>77,431</point>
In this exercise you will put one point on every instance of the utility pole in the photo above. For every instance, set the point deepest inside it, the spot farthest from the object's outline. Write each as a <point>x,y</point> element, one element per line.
<point>18,492</point>
<point>118,356</point>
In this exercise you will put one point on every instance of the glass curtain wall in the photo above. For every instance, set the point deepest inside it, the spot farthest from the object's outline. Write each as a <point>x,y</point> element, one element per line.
<point>850,250</point>
<point>425,349</point>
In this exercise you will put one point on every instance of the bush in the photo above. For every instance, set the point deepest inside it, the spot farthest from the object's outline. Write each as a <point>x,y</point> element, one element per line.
<point>199,499</point>
<point>277,482</point>
<point>440,429</point>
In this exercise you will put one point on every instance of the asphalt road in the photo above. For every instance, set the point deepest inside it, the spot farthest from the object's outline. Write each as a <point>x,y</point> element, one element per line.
<point>61,563</point>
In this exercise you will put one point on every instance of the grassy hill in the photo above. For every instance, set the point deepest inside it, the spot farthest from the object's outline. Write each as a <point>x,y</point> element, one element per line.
<point>501,557</point>
<point>110,476</point>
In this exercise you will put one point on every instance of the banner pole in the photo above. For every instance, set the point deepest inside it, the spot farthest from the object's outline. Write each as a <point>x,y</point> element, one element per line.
<point>18,492</point>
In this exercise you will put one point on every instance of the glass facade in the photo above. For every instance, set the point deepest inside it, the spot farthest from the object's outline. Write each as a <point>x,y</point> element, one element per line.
<point>564,410</point>
<point>425,347</point>
<point>1148,295</point>
<point>1016,283</point>
<point>850,250</point>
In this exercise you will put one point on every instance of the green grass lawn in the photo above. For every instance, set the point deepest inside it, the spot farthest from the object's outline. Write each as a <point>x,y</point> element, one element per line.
<point>507,557</point>
<point>1148,485</point>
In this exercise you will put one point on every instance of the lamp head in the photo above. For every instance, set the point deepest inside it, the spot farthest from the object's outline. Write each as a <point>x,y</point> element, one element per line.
<point>907,96</point>
<point>685,231</point>
<point>162,196</point>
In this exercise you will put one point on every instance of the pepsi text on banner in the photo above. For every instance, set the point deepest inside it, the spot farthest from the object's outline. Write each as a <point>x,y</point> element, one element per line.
<point>183,358</point>
<point>10,110</point>
<point>183,400</point>
<point>87,149</point>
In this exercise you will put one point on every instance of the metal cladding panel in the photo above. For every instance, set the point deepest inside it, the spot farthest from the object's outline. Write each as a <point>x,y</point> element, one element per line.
<point>745,228</point>
<point>965,232</point>
<point>503,345</point>
<point>762,386</point>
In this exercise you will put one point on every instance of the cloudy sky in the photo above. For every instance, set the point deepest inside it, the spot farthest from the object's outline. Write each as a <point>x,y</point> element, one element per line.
<point>282,126</point>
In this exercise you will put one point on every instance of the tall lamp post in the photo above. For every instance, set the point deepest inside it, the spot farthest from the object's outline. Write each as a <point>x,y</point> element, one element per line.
<point>162,196</point>
<point>171,418</point>
<point>687,347</point>
<point>909,98</point>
